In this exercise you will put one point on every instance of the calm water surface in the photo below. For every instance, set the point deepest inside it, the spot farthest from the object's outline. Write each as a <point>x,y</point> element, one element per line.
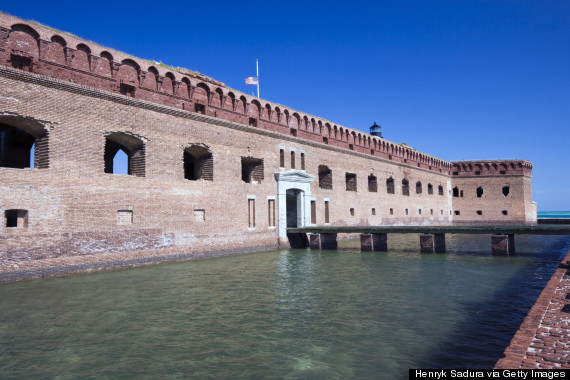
<point>281,314</point>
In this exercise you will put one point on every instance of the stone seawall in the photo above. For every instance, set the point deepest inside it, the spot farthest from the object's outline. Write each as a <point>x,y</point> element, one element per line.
<point>543,340</point>
<point>58,266</point>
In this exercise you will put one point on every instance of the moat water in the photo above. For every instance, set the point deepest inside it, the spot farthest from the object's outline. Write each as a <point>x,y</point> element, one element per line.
<point>281,314</point>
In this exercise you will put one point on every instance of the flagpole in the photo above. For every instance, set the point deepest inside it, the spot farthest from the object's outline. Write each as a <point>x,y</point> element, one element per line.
<point>257,72</point>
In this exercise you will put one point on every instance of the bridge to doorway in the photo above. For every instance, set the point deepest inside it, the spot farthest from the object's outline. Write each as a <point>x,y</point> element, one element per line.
<point>432,238</point>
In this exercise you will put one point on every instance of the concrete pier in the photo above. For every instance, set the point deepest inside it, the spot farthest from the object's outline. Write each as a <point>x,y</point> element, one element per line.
<point>503,245</point>
<point>374,242</point>
<point>432,243</point>
<point>323,241</point>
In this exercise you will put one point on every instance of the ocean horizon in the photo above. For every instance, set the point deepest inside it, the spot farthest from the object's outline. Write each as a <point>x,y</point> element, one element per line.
<point>553,214</point>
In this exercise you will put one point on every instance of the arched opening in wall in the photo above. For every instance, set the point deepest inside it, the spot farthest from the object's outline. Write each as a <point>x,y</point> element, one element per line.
<point>456,191</point>
<point>132,146</point>
<point>506,190</point>
<point>325,177</point>
<point>22,43</point>
<point>23,143</point>
<point>198,163</point>
<point>252,170</point>
<point>479,192</point>
<point>390,185</point>
<point>372,183</point>
<point>294,201</point>
<point>121,162</point>
<point>430,189</point>
<point>440,190</point>
<point>405,187</point>
<point>418,187</point>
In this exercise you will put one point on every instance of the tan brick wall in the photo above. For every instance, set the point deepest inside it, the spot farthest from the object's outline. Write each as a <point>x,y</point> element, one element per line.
<point>75,209</point>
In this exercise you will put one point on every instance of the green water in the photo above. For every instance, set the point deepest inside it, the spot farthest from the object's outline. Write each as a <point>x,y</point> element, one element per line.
<point>281,314</point>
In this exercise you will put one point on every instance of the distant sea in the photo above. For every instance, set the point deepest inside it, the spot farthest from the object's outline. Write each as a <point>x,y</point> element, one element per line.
<point>554,214</point>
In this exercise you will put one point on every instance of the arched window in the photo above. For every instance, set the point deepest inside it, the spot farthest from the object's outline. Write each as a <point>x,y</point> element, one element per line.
<point>132,146</point>
<point>198,163</point>
<point>455,191</point>
<point>440,190</point>
<point>405,187</point>
<point>506,190</point>
<point>418,187</point>
<point>23,143</point>
<point>430,189</point>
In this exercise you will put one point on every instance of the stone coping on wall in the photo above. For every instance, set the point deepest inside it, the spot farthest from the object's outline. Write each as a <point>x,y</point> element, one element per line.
<point>543,339</point>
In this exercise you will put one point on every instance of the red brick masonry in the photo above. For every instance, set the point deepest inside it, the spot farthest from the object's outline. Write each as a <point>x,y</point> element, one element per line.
<point>543,340</point>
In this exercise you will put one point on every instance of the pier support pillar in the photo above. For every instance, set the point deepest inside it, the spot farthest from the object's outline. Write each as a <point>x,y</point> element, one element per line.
<point>432,243</point>
<point>374,242</point>
<point>315,241</point>
<point>503,245</point>
<point>323,241</point>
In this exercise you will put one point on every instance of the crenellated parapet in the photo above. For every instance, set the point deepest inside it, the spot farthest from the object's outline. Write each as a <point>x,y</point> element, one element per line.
<point>491,168</point>
<point>42,50</point>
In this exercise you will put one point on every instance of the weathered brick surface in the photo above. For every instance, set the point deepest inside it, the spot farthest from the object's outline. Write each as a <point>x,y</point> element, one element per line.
<point>543,340</point>
<point>79,98</point>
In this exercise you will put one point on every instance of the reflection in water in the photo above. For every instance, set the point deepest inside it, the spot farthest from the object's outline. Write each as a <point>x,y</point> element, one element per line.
<point>280,314</point>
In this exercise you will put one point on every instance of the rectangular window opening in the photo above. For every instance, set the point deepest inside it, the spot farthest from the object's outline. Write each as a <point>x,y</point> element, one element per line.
<point>252,122</point>
<point>124,217</point>
<point>351,182</point>
<point>327,212</point>
<point>313,212</point>
<point>281,158</point>
<point>302,161</point>
<point>457,212</point>
<point>200,108</point>
<point>128,90</point>
<point>351,211</point>
<point>16,218</point>
<point>479,212</point>
<point>292,160</point>
<point>271,212</point>
<point>251,213</point>
<point>391,211</point>
<point>372,184</point>
<point>373,211</point>
<point>199,215</point>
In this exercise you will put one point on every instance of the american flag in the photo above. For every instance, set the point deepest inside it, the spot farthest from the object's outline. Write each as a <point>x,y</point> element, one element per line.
<point>252,80</point>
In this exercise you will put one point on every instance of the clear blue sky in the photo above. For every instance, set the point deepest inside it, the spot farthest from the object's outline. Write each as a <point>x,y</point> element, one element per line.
<point>455,79</point>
